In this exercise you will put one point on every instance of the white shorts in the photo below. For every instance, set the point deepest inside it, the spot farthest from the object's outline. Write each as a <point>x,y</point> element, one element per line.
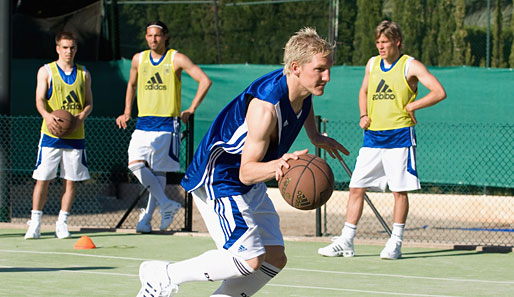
<point>161,150</point>
<point>378,167</point>
<point>241,224</point>
<point>72,163</point>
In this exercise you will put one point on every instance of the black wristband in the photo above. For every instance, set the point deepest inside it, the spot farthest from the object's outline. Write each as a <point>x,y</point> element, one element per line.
<point>364,115</point>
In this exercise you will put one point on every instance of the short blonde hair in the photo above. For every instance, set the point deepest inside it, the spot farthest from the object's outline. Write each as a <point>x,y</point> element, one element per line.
<point>302,46</point>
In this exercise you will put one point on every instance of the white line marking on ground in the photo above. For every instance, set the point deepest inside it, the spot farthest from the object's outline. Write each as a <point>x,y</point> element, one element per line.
<point>404,276</point>
<point>287,268</point>
<point>271,285</point>
<point>359,291</point>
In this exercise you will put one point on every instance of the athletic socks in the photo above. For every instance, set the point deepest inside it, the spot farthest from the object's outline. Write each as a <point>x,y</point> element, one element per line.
<point>249,285</point>
<point>63,216</point>
<point>152,201</point>
<point>397,233</point>
<point>349,231</point>
<point>212,265</point>
<point>149,180</point>
<point>35,215</point>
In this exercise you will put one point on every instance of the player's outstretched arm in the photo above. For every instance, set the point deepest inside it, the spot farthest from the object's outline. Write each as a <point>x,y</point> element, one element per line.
<point>130,94</point>
<point>319,140</point>
<point>262,127</point>
<point>181,61</point>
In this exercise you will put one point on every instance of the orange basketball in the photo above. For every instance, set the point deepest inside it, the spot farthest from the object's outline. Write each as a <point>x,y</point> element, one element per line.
<point>308,183</point>
<point>65,122</point>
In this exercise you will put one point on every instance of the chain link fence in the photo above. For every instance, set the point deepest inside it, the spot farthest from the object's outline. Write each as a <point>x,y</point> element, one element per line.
<point>467,194</point>
<point>466,172</point>
<point>100,202</point>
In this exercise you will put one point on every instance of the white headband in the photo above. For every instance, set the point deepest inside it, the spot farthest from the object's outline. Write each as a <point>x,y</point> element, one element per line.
<point>156,26</point>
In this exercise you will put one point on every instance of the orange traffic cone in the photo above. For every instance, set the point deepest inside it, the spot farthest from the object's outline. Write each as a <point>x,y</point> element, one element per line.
<point>84,243</point>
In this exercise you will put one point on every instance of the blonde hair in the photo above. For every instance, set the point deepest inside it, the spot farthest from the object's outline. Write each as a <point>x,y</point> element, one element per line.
<point>391,30</point>
<point>302,46</point>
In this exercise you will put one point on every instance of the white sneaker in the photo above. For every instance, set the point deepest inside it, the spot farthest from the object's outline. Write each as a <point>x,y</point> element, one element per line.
<point>144,225</point>
<point>34,230</point>
<point>61,230</point>
<point>168,211</point>
<point>155,281</point>
<point>392,250</point>
<point>339,247</point>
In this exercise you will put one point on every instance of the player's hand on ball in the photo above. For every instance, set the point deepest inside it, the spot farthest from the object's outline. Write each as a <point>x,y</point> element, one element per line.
<point>282,162</point>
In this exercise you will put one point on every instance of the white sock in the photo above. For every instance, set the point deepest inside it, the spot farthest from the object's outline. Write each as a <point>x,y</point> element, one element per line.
<point>152,201</point>
<point>35,215</point>
<point>212,265</point>
<point>248,285</point>
<point>349,231</point>
<point>149,180</point>
<point>63,216</point>
<point>397,233</point>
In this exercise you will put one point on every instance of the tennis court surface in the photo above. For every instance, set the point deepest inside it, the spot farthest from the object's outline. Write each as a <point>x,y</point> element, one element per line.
<point>51,267</point>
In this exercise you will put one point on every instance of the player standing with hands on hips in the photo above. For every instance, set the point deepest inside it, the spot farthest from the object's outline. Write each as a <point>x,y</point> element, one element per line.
<point>388,155</point>
<point>246,145</point>
<point>60,85</point>
<point>155,145</point>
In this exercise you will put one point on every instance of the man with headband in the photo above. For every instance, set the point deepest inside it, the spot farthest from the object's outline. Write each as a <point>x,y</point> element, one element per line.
<point>154,148</point>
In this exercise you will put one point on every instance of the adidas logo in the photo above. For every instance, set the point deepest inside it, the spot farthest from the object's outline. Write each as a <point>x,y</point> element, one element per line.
<point>301,200</point>
<point>71,102</point>
<point>241,249</point>
<point>383,91</point>
<point>155,83</point>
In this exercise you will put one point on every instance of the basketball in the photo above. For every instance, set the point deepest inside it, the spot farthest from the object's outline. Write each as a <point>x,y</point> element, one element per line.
<point>308,183</point>
<point>65,122</point>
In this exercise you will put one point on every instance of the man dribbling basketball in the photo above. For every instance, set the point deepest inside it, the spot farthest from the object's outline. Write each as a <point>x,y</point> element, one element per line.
<point>246,145</point>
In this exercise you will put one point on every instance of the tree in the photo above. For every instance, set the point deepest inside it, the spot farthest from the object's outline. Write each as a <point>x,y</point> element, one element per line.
<point>369,15</point>
<point>446,12</point>
<point>511,57</point>
<point>462,50</point>
<point>346,31</point>
<point>413,26</point>
<point>497,57</point>
<point>430,50</point>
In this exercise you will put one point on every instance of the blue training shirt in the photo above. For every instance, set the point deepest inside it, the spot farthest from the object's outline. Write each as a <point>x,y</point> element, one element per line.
<point>217,160</point>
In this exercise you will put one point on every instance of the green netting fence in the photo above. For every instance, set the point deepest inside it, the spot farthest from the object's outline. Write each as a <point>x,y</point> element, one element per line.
<point>466,171</point>
<point>103,200</point>
<point>467,177</point>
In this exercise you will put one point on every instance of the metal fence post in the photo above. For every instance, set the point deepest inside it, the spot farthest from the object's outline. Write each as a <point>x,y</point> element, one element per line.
<point>318,153</point>
<point>188,217</point>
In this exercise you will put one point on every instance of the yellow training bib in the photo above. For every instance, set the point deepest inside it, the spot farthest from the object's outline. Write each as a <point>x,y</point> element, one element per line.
<point>388,94</point>
<point>158,87</point>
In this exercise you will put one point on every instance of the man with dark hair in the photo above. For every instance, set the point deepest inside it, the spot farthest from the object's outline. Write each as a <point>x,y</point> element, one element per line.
<point>387,102</point>
<point>60,85</point>
<point>155,145</point>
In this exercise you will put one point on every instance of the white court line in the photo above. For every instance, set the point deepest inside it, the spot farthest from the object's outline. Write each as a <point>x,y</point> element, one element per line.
<point>359,291</point>
<point>270,285</point>
<point>404,276</point>
<point>287,268</point>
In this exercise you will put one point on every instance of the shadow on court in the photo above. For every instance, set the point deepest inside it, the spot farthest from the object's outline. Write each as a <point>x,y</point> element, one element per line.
<point>48,269</point>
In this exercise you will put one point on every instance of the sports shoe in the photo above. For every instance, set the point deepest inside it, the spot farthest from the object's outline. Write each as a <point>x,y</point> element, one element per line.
<point>144,225</point>
<point>155,281</point>
<point>34,230</point>
<point>339,247</point>
<point>168,211</point>
<point>392,250</point>
<point>61,230</point>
